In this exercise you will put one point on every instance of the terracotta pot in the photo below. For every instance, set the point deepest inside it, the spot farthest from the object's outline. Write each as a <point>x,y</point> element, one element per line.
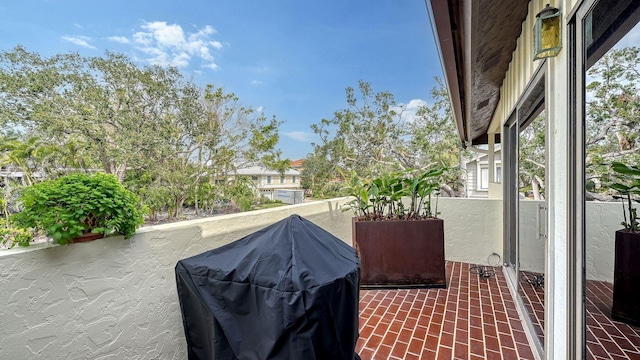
<point>626,278</point>
<point>86,237</point>
<point>401,253</point>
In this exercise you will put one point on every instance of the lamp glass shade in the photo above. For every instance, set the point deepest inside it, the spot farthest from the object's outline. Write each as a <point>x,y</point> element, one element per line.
<point>547,31</point>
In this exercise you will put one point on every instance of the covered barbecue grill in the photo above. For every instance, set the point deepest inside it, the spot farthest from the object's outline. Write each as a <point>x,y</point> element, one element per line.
<point>288,291</point>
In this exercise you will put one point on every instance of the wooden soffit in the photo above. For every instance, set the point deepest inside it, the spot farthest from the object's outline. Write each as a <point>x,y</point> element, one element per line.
<point>476,39</point>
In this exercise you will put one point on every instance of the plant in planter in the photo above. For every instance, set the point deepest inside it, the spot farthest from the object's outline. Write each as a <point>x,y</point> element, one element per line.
<point>625,181</point>
<point>77,205</point>
<point>399,245</point>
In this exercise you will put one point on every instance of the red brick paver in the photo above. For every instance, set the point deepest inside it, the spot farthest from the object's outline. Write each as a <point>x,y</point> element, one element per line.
<point>472,318</point>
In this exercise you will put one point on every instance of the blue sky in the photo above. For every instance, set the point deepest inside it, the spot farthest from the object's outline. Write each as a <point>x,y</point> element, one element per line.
<point>288,58</point>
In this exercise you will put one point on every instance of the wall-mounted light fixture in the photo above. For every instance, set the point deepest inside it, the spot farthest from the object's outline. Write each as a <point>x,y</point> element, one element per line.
<point>546,33</point>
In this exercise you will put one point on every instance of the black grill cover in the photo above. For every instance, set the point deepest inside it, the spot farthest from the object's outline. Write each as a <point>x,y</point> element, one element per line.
<point>288,291</point>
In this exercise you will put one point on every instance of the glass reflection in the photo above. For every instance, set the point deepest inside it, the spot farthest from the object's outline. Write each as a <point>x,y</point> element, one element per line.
<point>612,130</point>
<point>532,215</point>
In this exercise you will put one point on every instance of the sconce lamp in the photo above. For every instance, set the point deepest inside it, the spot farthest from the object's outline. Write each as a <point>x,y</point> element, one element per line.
<point>547,33</point>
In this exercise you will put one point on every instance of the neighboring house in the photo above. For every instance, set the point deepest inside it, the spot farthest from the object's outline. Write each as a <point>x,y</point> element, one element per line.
<point>267,181</point>
<point>298,164</point>
<point>477,167</point>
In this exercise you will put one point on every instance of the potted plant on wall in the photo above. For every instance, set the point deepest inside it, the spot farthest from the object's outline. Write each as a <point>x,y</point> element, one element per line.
<point>80,207</point>
<point>399,245</point>
<point>625,181</point>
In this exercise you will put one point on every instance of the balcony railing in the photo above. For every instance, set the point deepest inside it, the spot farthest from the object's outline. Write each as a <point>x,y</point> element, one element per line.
<point>118,297</point>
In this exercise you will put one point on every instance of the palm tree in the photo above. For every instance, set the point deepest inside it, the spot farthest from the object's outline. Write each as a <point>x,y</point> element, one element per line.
<point>30,156</point>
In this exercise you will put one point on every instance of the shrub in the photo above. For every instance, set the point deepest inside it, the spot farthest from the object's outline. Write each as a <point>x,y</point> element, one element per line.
<point>13,236</point>
<point>75,204</point>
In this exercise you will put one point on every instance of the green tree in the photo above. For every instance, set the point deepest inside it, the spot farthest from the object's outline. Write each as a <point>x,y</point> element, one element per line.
<point>373,136</point>
<point>30,156</point>
<point>434,141</point>
<point>107,112</point>
<point>532,158</point>
<point>214,136</point>
<point>364,136</point>
<point>117,111</point>
<point>613,112</point>
<point>241,190</point>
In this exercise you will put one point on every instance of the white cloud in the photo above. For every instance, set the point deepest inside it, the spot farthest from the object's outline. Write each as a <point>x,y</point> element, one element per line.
<point>168,44</point>
<point>79,40</point>
<point>204,53</point>
<point>119,39</point>
<point>165,35</point>
<point>256,83</point>
<point>78,25</point>
<point>142,38</point>
<point>300,136</point>
<point>260,69</point>
<point>181,60</point>
<point>212,66</point>
<point>408,111</point>
<point>207,30</point>
<point>260,109</point>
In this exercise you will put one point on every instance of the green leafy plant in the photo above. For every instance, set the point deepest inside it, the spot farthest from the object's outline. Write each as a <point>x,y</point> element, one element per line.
<point>75,204</point>
<point>12,236</point>
<point>381,198</point>
<point>155,198</point>
<point>625,180</point>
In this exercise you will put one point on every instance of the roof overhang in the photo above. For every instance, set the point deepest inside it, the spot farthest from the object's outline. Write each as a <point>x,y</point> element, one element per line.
<point>475,41</point>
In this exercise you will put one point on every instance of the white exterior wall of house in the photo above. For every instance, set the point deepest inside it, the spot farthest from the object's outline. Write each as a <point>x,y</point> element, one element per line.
<point>266,181</point>
<point>478,174</point>
<point>558,300</point>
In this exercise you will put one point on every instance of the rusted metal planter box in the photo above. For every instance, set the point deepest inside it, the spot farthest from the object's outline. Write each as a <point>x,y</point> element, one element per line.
<point>401,253</point>
<point>626,278</point>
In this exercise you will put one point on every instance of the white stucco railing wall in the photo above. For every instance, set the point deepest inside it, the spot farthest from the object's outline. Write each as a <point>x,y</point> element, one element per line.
<point>472,229</point>
<point>603,219</point>
<point>116,299</point>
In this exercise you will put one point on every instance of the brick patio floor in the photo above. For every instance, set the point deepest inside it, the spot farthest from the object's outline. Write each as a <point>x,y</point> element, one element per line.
<point>606,339</point>
<point>473,318</point>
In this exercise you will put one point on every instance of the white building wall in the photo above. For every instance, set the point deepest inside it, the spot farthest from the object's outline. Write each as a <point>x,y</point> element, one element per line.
<point>472,178</point>
<point>521,70</point>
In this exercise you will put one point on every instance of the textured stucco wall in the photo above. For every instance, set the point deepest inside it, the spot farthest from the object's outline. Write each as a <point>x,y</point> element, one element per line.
<point>602,221</point>
<point>472,229</point>
<point>116,299</point>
